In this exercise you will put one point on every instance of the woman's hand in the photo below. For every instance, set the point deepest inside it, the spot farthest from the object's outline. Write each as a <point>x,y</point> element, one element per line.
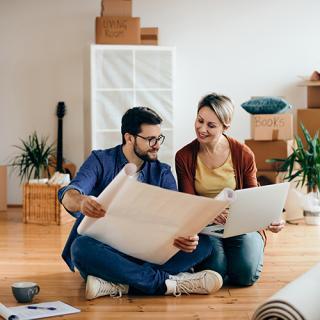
<point>91,208</point>
<point>188,244</point>
<point>276,226</point>
<point>222,217</point>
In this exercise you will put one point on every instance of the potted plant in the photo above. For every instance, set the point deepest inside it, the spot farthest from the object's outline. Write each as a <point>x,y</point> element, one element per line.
<point>34,158</point>
<point>40,201</point>
<point>303,165</point>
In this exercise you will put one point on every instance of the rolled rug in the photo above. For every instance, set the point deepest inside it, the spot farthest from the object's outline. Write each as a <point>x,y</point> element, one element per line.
<point>298,300</point>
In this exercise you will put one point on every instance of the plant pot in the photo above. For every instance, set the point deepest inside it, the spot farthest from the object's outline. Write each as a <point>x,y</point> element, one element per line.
<point>311,217</point>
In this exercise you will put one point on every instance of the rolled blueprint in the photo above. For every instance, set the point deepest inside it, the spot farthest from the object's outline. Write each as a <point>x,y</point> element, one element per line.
<point>106,196</point>
<point>226,194</point>
<point>299,300</point>
<point>143,220</point>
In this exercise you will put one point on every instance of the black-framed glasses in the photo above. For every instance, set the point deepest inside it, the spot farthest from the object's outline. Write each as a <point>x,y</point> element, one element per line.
<point>153,140</point>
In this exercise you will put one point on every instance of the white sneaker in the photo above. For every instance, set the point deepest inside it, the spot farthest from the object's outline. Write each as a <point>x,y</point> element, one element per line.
<point>97,287</point>
<point>203,282</point>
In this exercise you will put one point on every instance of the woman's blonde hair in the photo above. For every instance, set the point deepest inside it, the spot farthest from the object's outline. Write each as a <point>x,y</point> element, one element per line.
<point>221,105</point>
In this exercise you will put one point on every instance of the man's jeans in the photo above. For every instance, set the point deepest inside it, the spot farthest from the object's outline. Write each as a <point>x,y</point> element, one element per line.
<point>92,257</point>
<point>238,259</point>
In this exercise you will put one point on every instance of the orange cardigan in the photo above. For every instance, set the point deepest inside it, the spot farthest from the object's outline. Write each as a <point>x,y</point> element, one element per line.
<point>243,164</point>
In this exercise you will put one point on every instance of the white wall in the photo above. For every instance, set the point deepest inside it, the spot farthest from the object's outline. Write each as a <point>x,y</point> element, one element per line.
<point>41,63</point>
<point>240,48</point>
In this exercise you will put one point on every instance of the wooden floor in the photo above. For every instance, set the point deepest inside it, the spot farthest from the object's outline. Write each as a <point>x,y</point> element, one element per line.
<point>32,253</point>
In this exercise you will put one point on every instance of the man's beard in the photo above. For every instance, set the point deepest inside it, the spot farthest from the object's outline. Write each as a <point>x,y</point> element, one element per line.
<point>143,155</point>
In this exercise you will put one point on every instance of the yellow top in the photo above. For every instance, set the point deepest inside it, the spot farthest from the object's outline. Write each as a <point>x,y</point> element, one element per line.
<point>210,182</point>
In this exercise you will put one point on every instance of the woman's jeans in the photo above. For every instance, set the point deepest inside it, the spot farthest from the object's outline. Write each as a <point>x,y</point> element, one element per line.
<point>92,257</point>
<point>238,259</point>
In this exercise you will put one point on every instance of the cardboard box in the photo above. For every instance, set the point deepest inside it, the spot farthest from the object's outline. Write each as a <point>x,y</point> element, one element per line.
<point>3,188</point>
<point>267,127</point>
<point>313,93</point>
<point>117,30</point>
<point>116,8</point>
<point>149,36</point>
<point>310,119</point>
<point>270,177</point>
<point>264,150</point>
<point>313,97</point>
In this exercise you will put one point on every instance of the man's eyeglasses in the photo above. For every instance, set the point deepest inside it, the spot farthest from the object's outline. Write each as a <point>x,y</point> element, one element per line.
<point>153,140</point>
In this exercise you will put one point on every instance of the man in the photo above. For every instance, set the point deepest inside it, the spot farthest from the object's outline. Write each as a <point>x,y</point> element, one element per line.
<point>106,270</point>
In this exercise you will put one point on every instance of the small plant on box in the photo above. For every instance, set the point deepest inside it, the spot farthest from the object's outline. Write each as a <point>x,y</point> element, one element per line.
<point>34,157</point>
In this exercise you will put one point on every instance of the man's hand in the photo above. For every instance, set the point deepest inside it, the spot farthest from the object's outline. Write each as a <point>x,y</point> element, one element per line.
<point>276,226</point>
<point>188,244</point>
<point>88,205</point>
<point>91,208</point>
<point>222,217</point>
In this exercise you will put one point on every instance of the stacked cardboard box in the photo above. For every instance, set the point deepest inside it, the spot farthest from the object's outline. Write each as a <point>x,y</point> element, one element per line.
<point>310,117</point>
<point>149,36</point>
<point>116,8</point>
<point>117,26</point>
<point>272,137</point>
<point>264,150</point>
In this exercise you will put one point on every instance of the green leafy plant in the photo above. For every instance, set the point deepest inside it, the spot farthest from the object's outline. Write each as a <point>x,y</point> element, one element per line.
<point>35,157</point>
<point>308,159</point>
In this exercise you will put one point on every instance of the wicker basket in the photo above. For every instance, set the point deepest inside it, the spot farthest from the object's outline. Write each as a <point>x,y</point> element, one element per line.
<point>41,205</point>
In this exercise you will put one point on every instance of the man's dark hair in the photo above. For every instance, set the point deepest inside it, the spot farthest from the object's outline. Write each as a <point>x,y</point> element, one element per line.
<point>133,119</point>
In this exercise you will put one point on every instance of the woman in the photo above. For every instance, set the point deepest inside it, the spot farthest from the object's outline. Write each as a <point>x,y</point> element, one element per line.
<point>210,163</point>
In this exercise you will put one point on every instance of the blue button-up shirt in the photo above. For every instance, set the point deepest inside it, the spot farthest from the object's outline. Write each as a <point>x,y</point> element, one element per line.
<point>98,171</point>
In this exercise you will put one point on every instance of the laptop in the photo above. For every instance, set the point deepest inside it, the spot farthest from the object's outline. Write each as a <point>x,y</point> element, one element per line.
<point>253,209</point>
